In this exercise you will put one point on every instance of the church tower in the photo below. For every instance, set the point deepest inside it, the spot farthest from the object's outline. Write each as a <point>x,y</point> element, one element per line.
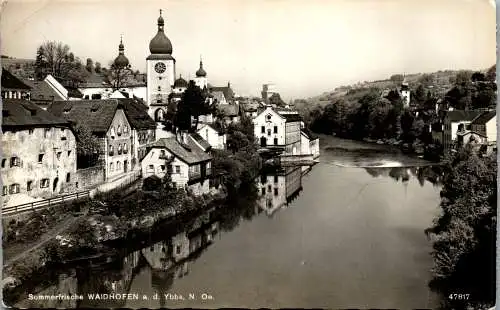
<point>160,76</point>
<point>201,77</point>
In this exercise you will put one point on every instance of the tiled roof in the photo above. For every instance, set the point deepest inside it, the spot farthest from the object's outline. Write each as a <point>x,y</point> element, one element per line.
<point>134,109</point>
<point>190,153</point>
<point>215,126</point>
<point>43,91</point>
<point>229,109</point>
<point>24,113</point>
<point>219,96</point>
<point>462,115</point>
<point>95,80</point>
<point>308,133</point>
<point>74,93</point>
<point>484,117</point>
<point>137,113</point>
<point>204,144</point>
<point>291,117</point>
<point>466,132</point>
<point>97,115</point>
<point>9,81</point>
<point>228,92</point>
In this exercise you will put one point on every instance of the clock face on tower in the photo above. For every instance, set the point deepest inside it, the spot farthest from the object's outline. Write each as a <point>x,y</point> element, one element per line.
<point>160,67</point>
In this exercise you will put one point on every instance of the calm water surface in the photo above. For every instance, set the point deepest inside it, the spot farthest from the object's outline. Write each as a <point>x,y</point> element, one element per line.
<point>349,233</point>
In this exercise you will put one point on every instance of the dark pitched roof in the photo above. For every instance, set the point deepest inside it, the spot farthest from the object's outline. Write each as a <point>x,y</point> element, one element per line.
<point>9,81</point>
<point>309,133</point>
<point>42,91</point>
<point>462,115</point>
<point>204,144</point>
<point>467,132</point>
<point>229,109</point>
<point>190,153</point>
<point>228,92</point>
<point>291,117</point>
<point>484,117</point>
<point>137,113</point>
<point>97,115</point>
<point>74,93</point>
<point>95,80</point>
<point>23,113</point>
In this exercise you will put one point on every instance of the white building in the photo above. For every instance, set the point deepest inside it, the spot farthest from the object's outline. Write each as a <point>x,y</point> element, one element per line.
<point>275,130</point>
<point>309,144</point>
<point>184,158</point>
<point>38,152</point>
<point>486,124</point>
<point>453,123</point>
<point>215,137</point>
<point>278,188</point>
<point>201,79</point>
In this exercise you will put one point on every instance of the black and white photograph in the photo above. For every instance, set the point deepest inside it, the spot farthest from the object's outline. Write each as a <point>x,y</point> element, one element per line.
<point>335,154</point>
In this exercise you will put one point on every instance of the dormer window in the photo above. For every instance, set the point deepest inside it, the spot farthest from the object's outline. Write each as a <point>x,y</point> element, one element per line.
<point>119,130</point>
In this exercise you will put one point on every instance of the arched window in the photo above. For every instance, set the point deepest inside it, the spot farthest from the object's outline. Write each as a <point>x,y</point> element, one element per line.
<point>110,166</point>
<point>119,130</point>
<point>125,149</point>
<point>119,149</point>
<point>111,150</point>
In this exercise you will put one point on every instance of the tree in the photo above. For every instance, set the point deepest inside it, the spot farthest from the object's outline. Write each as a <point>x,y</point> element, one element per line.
<point>88,146</point>
<point>118,76</point>
<point>491,75</point>
<point>193,104</point>
<point>90,65</point>
<point>426,80</point>
<point>397,78</point>
<point>463,236</point>
<point>420,96</point>
<point>97,67</point>
<point>478,77</point>
<point>276,100</point>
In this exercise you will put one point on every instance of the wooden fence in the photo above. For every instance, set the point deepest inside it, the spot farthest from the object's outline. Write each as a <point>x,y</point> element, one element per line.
<point>41,204</point>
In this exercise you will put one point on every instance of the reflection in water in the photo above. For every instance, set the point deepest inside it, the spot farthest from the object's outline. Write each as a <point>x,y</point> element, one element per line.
<point>278,188</point>
<point>431,174</point>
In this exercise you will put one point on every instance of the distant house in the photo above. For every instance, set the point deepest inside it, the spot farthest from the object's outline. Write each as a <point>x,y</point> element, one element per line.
<point>466,137</point>
<point>309,143</point>
<point>97,86</point>
<point>275,130</point>
<point>250,109</point>
<point>188,163</point>
<point>230,112</point>
<point>107,121</point>
<point>452,121</point>
<point>486,125</point>
<point>38,152</point>
<point>227,91</point>
<point>213,135</point>
<point>14,88</point>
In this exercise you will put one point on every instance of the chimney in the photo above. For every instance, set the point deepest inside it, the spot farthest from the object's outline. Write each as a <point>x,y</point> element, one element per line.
<point>228,84</point>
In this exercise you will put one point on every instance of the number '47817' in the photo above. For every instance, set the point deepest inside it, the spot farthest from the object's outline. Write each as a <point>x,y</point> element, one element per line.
<point>459,296</point>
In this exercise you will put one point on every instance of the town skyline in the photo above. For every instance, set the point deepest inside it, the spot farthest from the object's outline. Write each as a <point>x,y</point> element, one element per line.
<point>267,41</point>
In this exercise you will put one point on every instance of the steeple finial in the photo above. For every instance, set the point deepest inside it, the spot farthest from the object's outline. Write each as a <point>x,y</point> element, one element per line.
<point>160,11</point>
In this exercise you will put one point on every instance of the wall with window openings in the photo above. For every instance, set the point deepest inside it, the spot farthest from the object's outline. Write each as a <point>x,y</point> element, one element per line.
<point>39,162</point>
<point>269,128</point>
<point>118,146</point>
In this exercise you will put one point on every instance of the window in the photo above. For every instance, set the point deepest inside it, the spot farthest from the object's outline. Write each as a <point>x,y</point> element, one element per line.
<point>169,169</point>
<point>177,169</point>
<point>275,129</point>
<point>40,158</point>
<point>162,167</point>
<point>69,153</point>
<point>30,131</point>
<point>112,132</point>
<point>151,249</point>
<point>62,130</point>
<point>275,179</point>
<point>111,167</point>
<point>263,191</point>
<point>269,188</point>
<point>262,129</point>
<point>29,186</point>
<point>275,141</point>
<point>178,249</point>
<point>119,149</point>
<point>118,165</point>
<point>151,167</point>
<point>269,117</point>
<point>159,88</point>
<point>58,155</point>
<point>46,132</point>
<point>68,177</point>
<point>162,153</point>
<point>5,191</point>
<point>119,130</point>
<point>76,184</point>
<point>275,191</point>
<point>125,149</point>
<point>111,150</point>
<point>44,183</point>
<point>269,132</point>
<point>4,160</point>
<point>15,162</point>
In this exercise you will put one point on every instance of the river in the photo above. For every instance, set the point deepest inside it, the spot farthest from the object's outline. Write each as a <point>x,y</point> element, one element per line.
<point>346,233</point>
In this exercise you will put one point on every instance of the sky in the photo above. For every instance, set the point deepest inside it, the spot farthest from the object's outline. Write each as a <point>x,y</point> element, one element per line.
<point>304,47</point>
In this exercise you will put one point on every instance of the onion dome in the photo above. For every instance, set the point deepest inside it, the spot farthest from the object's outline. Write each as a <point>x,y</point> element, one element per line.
<point>160,44</point>
<point>121,60</point>
<point>201,72</point>
<point>180,83</point>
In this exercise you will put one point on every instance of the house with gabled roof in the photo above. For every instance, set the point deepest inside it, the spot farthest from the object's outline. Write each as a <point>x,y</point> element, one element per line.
<point>214,135</point>
<point>14,88</point>
<point>453,120</point>
<point>230,113</point>
<point>486,124</point>
<point>278,131</point>
<point>107,120</point>
<point>38,152</point>
<point>185,158</point>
